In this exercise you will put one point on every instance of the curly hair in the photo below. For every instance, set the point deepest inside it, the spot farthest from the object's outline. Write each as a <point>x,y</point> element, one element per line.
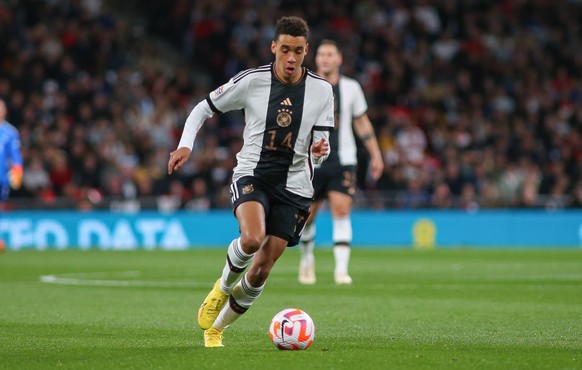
<point>293,26</point>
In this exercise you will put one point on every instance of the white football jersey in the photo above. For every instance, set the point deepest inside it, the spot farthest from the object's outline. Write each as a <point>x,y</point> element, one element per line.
<point>350,103</point>
<point>281,123</point>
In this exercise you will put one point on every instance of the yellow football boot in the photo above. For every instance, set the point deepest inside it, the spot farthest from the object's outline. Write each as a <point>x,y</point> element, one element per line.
<point>213,338</point>
<point>210,308</point>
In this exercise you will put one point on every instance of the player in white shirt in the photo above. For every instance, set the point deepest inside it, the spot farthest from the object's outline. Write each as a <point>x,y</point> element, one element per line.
<point>336,178</point>
<point>288,114</point>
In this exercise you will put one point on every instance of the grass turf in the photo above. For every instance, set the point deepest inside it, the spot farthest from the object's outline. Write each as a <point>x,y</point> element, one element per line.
<point>443,309</point>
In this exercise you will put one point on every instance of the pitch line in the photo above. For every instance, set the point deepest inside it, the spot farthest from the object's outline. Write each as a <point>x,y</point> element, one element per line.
<point>88,279</point>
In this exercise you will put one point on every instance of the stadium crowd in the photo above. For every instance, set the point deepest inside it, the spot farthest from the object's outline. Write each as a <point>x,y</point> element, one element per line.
<point>476,104</point>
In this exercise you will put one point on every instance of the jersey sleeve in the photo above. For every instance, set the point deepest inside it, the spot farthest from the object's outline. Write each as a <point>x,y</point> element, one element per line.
<point>360,106</point>
<point>325,121</point>
<point>324,124</point>
<point>227,97</point>
<point>198,115</point>
<point>230,96</point>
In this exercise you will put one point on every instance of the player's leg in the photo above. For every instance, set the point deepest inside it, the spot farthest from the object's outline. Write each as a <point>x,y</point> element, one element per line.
<point>240,252</point>
<point>284,223</point>
<point>307,242</point>
<point>306,246</point>
<point>340,206</point>
<point>250,287</point>
<point>251,216</point>
<point>249,204</point>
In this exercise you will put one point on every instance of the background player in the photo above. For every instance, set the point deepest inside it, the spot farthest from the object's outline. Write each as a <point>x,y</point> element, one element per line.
<point>288,116</point>
<point>336,178</point>
<point>10,159</point>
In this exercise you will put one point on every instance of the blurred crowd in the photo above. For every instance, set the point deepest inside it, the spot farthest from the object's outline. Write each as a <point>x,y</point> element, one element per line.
<point>476,104</point>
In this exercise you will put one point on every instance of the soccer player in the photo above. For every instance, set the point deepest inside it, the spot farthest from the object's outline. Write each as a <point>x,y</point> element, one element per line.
<point>10,159</point>
<point>10,156</point>
<point>336,178</point>
<point>288,114</point>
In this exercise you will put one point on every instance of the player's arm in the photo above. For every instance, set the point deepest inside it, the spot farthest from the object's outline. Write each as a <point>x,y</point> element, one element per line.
<point>320,148</point>
<point>227,97</point>
<point>198,115</point>
<point>365,131</point>
<point>16,169</point>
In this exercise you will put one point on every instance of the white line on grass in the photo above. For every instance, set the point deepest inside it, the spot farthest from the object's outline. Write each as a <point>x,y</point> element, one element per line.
<point>120,279</point>
<point>88,279</point>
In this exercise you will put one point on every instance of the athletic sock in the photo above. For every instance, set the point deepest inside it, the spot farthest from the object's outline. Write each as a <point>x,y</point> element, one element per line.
<point>240,300</point>
<point>236,262</point>
<point>307,244</point>
<point>341,253</point>
<point>342,238</point>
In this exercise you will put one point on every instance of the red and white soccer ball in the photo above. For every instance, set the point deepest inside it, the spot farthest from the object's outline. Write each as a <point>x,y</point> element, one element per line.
<point>292,329</point>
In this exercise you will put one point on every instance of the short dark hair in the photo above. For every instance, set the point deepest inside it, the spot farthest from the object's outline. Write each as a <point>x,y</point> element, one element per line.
<point>292,26</point>
<point>330,42</point>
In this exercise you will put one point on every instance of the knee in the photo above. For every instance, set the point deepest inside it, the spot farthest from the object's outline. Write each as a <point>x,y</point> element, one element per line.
<point>341,209</point>
<point>342,212</point>
<point>251,242</point>
<point>341,205</point>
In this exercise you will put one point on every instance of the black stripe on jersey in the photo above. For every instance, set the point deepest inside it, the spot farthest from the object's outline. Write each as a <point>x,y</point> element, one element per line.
<point>323,128</point>
<point>334,137</point>
<point>212,106</point>
<point>239,76</point>
<point>284,115</point>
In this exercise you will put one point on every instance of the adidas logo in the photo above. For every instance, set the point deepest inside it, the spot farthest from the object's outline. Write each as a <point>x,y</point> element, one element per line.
<point>286,102</point>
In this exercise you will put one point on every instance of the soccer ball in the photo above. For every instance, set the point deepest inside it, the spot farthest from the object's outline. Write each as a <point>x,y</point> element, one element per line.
<point>292,329</point>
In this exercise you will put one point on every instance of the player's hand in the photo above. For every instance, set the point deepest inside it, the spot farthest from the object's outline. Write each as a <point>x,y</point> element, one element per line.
<point>320,149</point>
<point>177,159</point>
<point>376,167</point>
<point>15,177</point>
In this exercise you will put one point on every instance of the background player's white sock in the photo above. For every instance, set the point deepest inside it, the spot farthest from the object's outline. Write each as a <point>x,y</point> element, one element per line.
<point>236,263</point>
<point>342,238</point>
<point>307,244</point>
<point>242,297</point>
<point>341,254</point>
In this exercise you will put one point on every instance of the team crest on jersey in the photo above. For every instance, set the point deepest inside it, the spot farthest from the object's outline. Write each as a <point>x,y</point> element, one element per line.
<point>218,91</point>
<point>284,117</point>
<point>247,189</point>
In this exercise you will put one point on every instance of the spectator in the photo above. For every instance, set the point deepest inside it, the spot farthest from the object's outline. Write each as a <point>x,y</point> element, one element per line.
<point>460,83</point>
<point>199,200</point>
<point>35,179</point>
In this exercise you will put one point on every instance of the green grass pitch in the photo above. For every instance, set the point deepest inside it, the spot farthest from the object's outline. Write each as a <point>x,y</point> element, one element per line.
<point>407,309</point>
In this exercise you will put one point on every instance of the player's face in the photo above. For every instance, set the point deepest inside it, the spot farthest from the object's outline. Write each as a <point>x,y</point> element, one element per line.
<point>289,53</point>
<point>328,59</point>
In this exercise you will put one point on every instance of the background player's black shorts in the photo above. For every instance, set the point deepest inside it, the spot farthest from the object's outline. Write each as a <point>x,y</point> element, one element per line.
<point>286,213</point>
<point>334,176</point>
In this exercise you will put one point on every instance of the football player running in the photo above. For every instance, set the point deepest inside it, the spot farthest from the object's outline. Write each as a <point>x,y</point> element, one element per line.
<point>288,117</point>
